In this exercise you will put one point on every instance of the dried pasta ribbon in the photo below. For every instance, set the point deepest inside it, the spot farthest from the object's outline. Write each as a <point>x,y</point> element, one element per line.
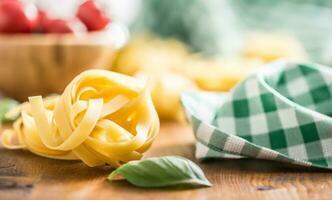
<point>102,117</point>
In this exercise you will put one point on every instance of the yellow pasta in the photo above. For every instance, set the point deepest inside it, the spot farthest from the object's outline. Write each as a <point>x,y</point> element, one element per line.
<point>102,117</point>
<point>272,46</point>
<point>166,88</point>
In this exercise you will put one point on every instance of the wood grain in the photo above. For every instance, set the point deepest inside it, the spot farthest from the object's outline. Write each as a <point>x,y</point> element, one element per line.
<point>27,176</point>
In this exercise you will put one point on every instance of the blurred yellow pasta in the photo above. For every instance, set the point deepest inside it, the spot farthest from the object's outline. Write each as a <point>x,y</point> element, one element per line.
<point>150,54</point>
<point>167,87</point>
<point>101,117</point>
<point>271,46</point>
<point>220,74</point>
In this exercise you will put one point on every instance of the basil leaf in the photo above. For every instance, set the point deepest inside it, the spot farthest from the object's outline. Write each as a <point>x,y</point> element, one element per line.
<point>162,172</point>
<point>5,106</point>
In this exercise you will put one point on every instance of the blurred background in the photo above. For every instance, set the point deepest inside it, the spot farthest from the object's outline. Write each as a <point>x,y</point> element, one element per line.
<point>178,45</point>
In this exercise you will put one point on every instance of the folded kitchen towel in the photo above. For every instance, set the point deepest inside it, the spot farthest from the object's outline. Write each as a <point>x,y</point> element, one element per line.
<point>283,113</point>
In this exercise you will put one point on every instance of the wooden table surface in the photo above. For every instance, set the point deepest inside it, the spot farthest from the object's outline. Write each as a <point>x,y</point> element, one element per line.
<point>24,175</point>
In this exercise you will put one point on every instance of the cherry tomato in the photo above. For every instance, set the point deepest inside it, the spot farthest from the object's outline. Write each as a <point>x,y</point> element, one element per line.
<point>93,17</point>
<point>13,18</point>
<point>54,25</point>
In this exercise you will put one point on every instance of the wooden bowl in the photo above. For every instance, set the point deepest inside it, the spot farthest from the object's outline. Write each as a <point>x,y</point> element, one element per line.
<point>40,64</point>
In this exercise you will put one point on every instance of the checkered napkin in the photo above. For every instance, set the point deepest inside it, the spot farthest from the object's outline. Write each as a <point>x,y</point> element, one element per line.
<point>283,113</point>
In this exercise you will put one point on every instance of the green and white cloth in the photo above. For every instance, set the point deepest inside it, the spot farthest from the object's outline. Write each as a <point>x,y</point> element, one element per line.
<point>283,113</point>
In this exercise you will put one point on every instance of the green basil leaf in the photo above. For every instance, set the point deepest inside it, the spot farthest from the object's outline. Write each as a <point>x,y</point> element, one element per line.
<point>5,106</point>
<point>162,172</point>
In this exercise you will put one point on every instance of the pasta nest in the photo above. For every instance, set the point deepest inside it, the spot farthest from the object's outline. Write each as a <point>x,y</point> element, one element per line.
<point>102,117</point>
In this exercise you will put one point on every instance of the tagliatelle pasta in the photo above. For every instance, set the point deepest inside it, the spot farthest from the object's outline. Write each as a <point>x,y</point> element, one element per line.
<point>101,117</point>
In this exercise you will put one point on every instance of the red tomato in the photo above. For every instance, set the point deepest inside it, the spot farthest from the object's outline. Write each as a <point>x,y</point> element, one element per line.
<point>93,18</point>
<point>13,18</point>
<point>50,25</point>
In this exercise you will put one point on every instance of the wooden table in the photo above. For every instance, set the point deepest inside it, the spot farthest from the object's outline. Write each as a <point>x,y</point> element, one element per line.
<point>24,175</point>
